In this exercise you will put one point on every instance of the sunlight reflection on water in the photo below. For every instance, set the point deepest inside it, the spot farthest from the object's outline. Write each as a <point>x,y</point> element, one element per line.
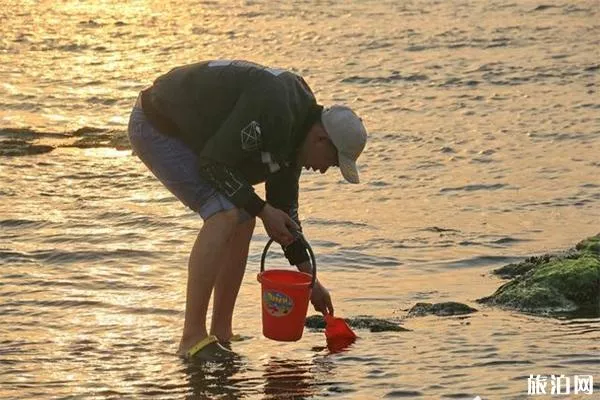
<point>483,150</point>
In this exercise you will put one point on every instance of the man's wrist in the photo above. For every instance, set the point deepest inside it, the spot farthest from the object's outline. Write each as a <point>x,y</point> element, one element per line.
<point>261,214</point>
<point>305,266</point>
<point>296,254</point>
<point>254,205</point>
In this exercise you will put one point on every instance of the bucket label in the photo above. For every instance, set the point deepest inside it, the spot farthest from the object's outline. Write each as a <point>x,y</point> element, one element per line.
<point>277,304</point>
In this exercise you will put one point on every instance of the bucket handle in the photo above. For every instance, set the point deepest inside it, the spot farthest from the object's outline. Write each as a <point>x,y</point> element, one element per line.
<point>312,257</point>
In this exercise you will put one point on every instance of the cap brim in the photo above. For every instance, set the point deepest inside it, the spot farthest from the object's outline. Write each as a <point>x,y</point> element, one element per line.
<point>348,168</point>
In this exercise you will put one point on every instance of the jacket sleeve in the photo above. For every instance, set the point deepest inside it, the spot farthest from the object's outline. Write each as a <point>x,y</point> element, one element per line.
<point>282,192</point>
<point>255,123</point>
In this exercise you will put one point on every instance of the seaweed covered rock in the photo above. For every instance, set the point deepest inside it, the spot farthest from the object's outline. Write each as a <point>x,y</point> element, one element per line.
<point>550,284</point>
<point>590,245</point>
<point>359,322</point>
<point>513,270</point>
<point>440,309</point>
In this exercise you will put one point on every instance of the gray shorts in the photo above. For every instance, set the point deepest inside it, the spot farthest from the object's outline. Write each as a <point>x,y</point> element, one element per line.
<point>176,167</point>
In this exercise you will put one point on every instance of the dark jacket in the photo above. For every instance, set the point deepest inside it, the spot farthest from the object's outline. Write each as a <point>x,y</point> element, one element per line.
<point>245,121</point>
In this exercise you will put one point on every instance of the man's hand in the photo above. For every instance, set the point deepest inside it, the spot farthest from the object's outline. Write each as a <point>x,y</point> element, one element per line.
<point>278,225</point>
<point>321,299</point>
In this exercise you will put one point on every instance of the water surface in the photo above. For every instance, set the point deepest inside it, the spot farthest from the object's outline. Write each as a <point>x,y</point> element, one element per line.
<point>485,135</point>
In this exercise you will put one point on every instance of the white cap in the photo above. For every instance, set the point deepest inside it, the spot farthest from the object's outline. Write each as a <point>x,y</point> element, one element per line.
<point>348,134</point>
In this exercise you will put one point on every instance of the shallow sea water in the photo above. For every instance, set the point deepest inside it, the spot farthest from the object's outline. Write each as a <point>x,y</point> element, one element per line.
<point>484,149</point>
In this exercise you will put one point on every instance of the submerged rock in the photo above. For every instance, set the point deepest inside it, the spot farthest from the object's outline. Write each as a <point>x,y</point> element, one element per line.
<point>440,309</point>
<point>25,141</point>
<point>374,324</point>
<point>359,322</point>
<point>18,147</point>
<point>551,284</point>
<point>94,137</point>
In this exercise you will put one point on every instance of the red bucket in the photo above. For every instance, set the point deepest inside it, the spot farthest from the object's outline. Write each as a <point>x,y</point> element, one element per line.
<point>285,295</point>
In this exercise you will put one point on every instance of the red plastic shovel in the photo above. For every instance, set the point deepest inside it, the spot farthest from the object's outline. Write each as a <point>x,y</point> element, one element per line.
<point>338,333</point>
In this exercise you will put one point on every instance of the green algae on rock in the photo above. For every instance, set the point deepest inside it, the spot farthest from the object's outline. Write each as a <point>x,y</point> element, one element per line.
<point>440,309</point>
<point>553,284</point>
<point>590,245</point>
<point>360,322</point>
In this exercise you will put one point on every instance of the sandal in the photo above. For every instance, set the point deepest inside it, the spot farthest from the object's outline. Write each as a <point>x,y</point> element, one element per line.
<point>209,349</point>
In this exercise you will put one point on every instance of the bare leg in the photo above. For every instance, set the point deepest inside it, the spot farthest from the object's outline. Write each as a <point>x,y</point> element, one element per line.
<point>211,245</point>
<point>229,279</point>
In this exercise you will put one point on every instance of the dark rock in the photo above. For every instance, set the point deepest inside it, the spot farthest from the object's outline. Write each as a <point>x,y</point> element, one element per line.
<point>18,131</point>
<point>93,138</point>
<point>359,322</point>
<point>374,324</point>
<point>120,141</point>
<point>315,322</point>
<point>26,141</point>
<point>87,130</point>
<point>29,134</point>
<point>18,147</point>
<point>553,284</point>
<point>440,309</point>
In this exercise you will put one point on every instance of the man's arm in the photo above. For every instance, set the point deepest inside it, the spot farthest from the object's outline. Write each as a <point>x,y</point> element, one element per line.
<point>282,192</point>
<point>282,189</point>
<point>320,297</point>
